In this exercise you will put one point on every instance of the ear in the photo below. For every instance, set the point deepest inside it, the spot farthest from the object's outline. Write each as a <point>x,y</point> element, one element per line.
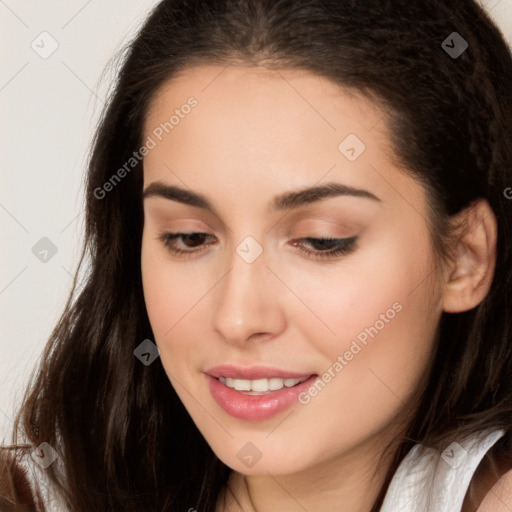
<point>472,269</point>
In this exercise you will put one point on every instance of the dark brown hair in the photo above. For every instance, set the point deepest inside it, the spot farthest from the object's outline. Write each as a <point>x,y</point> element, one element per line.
<point>124,439</point>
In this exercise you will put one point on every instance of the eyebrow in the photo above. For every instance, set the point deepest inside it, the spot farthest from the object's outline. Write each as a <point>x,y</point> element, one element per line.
<point>285,201</point>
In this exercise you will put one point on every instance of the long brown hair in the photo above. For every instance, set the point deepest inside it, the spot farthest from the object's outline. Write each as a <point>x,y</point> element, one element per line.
<point>124,439</point>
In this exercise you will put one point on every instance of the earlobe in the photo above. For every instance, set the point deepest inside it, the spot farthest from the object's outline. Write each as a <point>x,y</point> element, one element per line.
<point>472,270</point>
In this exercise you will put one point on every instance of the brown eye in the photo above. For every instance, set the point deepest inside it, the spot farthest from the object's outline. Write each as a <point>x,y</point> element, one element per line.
<point>188,240</point>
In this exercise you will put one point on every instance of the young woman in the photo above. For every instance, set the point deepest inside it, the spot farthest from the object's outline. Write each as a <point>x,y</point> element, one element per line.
<point>299,220</point>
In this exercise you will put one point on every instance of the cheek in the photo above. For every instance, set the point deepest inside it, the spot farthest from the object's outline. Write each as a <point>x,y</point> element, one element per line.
<point>168,293</point>
<point>384,321</point>
<point>161,294</point>
<point>375,317</point>
<point>174,297</point>
<point>156,292</point>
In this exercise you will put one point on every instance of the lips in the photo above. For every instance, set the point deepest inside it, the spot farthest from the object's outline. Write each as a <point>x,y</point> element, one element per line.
<point>253,372</point>
<point>255,407</point>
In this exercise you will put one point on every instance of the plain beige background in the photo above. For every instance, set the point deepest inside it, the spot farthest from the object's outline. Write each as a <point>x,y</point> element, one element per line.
<point>49,106</point>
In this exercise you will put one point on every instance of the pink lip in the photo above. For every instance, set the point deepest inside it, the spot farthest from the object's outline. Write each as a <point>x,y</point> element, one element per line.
<point>252,372</point>
<point>256,407</point>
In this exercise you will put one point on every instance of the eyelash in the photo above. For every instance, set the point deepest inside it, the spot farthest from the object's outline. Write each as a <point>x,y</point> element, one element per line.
<point>344,245</point>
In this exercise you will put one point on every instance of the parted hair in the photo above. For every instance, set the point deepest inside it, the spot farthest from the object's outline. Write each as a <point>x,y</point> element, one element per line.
<point>124,439</point>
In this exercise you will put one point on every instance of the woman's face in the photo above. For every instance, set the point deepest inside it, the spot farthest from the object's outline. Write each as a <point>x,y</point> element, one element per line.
<point>252,290</point>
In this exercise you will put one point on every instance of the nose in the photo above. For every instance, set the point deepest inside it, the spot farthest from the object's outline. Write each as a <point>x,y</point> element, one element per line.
<point>246,302</point>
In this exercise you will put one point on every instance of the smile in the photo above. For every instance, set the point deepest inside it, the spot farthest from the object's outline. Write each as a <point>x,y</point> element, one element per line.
<point>260,386</point>
<point>256,393</point>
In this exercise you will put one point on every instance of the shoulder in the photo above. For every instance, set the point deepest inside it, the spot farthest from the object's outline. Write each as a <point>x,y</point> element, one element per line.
<point>491,487</point>
<point>15,483</point>
<point>499,497</point>
<point>492,479</point>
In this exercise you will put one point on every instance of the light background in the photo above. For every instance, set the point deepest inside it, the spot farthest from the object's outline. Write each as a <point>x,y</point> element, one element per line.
<point>48,110</point>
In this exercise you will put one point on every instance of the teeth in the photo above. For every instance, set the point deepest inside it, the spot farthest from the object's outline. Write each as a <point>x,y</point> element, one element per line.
<point>260,385</point>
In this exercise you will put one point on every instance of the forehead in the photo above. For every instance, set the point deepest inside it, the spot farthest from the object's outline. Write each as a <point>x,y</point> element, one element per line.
<point>288,127</point>
<point>285,94</point>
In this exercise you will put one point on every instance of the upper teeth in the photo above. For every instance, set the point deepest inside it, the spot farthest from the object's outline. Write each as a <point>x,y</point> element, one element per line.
<point>260,385</point>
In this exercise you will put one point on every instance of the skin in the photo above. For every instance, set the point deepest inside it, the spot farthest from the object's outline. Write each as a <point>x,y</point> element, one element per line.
<point>256,134</point>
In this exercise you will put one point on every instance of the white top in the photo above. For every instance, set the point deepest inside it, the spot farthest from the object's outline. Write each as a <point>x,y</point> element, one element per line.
<point>426,480</point>
<point>430,481</point>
